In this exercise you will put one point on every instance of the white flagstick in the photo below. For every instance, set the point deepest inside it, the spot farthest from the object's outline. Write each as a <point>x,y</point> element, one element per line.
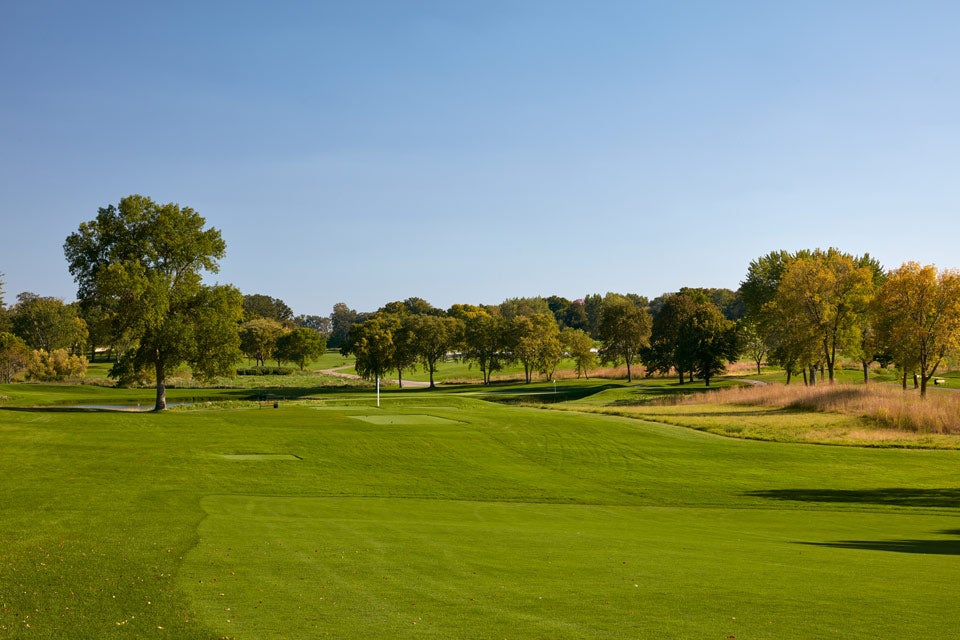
<point>378,391</point>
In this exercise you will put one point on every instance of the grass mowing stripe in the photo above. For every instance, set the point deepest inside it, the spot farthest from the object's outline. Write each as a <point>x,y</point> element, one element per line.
<point>413,568</point>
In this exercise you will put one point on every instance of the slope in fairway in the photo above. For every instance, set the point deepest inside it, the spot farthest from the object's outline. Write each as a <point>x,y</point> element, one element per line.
<point>368,567</point>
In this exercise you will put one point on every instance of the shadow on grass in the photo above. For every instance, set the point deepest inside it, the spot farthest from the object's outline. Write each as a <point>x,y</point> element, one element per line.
<point>926,547</point>
<point>56,409</point>
<point>541,394</point>
<point>900,497</point>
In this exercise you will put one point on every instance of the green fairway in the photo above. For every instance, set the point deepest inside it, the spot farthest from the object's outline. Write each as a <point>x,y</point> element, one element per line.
<point>441,516</point>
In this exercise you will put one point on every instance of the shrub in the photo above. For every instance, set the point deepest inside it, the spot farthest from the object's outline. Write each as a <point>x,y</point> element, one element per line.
<point>265,371</point>
<point>55,365</point>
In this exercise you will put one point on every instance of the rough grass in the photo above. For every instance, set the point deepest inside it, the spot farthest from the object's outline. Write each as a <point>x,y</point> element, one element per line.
<point>885,406</point>
<point>849,414</point>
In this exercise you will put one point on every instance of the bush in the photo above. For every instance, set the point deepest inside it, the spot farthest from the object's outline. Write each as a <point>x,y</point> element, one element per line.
<point>265,371</point>
<point>55,366</point>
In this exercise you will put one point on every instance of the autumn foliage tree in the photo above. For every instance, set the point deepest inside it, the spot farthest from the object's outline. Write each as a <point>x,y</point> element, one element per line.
<point>828,290</point>
<point>919,309</point>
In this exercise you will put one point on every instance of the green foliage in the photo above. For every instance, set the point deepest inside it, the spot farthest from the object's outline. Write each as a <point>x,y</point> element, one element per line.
<point>142,263</point>
<point>579,345</point>
<point>258,338</point>
<point>486,340</point>
<point>258,305</point>
<point>301,345</point>
<point>434,337</point>
<point>341,319</point>
<point>624,330</point>
<point>265,371</point>
<point>371,343</point>
<point>47,323</point>
<point>14,356</point>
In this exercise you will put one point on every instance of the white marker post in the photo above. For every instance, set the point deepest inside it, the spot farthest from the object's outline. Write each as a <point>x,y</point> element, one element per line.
<point>378,391</point>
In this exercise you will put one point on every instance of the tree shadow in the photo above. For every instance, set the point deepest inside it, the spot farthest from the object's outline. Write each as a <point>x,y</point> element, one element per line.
<point>56,409</point>
<point>944,498</point>
<point>926,547</point>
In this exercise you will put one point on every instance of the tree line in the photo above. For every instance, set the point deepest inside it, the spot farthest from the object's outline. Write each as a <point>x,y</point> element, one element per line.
<point>139,264</point>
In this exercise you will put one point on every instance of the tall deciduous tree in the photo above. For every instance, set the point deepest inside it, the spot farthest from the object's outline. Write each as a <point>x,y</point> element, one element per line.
<point>143,262</point>
<point>258,339</point>
<point>434,336</point>
<point>579,345</point>
<point>921,313</point>
<point>341,319</point>
<point>14,356</point>
<point>828,289</point>
<point>49,324</point>
<point>371,343</point>
<point>485,337</point>
<point>714,340</point>
<point>300,345</point>
<point>258,305</point>
<point>624,329</point>
<point>536,344</point>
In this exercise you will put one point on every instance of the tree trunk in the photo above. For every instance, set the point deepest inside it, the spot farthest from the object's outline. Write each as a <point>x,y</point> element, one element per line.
<point>903,381</point>
<point>866,373</point>
<point>400,377</point>
<point>680,371</point>
<point>805,382</point>
<point>430,368</point>
<point>788,375</point>
<point>629,377</point>
<point>758,368</point>
<point>161,388</point>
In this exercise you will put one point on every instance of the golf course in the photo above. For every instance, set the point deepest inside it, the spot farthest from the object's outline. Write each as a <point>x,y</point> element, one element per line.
<point>443,514</point>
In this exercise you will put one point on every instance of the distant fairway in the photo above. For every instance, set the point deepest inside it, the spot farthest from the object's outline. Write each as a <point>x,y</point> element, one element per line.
<point>440,516</point>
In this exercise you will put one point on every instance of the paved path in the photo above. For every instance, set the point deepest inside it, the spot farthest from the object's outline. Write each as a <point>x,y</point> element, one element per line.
<point>337,372</point>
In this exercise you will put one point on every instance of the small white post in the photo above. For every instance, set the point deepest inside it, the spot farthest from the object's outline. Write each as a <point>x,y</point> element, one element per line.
<point>378,391</point>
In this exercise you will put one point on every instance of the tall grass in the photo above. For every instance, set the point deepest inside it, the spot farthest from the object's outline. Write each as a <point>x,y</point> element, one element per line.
<point>888,406</point>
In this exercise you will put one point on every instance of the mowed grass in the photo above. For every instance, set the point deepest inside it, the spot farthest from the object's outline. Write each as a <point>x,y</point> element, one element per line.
<point>440,516</point>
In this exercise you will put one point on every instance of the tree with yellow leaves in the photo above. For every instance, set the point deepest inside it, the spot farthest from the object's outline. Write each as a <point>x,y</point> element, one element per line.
<point>919,310</point>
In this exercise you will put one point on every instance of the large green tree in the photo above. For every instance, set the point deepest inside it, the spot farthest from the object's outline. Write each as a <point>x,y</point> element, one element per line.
<point>371,343</point>
<point>47,323</point>
<point>300,345</point>
<point>258,339</point>
<point>434,336</point>
<point>624,329</point>
<point>258,305</point>
<point>143,262</point>
<point>579,346</point>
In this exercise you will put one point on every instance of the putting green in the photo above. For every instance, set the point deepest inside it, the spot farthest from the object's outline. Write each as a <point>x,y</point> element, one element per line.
<point>373,567</point>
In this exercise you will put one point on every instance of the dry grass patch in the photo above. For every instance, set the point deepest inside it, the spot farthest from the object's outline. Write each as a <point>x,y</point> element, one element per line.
<point>870,416</point>
<point>886,406</point>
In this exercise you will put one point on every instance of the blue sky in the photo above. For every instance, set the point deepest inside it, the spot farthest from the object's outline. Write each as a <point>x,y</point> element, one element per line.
<point>473,151</point>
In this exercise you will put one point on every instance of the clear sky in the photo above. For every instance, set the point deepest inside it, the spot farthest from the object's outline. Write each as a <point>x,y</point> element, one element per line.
<point>471,151</point>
